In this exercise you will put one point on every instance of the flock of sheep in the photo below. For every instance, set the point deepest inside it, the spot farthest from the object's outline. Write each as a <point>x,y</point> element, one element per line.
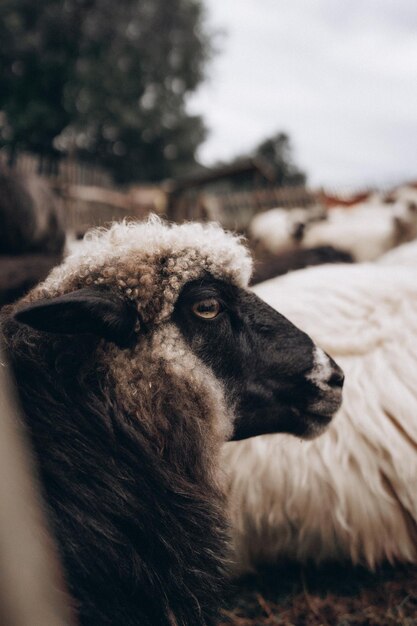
<point>144,351</point>
<point>350,495</point>
<point>287,240</point>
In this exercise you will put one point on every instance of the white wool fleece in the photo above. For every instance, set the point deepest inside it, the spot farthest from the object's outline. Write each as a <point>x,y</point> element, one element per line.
<point>351,493</point>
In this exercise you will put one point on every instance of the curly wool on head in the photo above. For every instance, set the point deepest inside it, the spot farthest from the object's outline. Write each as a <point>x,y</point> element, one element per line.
<point>352,493</point>
<point>150,261</point>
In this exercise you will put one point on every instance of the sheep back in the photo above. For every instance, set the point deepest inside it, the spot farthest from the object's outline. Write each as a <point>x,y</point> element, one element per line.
<point>352,493</point>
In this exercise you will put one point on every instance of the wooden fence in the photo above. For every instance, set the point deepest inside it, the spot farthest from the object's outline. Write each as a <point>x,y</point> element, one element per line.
<point>90,198</point>
<point>59,171</point>
<point>87,206</point>
<point>87,192</point>
<point>234,210</point>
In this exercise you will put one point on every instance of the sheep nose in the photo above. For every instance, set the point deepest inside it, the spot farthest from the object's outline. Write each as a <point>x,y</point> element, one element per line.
<point>337,376</point>
<point>325,372</point>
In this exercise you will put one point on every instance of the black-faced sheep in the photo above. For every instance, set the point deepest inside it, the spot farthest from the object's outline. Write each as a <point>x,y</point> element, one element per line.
<point>351,494</point>
<point>134,361</point>
<point>32,235</point>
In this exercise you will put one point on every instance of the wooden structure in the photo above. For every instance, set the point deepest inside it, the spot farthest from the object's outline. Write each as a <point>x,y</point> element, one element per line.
<point>212,194</point>
<point>89,197</point>
<point>87,206</point>
<point>59,171</point>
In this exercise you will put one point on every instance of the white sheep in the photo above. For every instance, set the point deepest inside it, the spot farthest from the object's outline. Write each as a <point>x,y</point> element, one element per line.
<point>405,193</point>
<point>278,230</point>
<point>366,230</point>
<point>273,229</point>
<point>406,255</point>
<point>352,493</point>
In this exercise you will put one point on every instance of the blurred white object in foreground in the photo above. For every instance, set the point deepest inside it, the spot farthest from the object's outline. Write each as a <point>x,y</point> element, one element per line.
<point>31,583</point>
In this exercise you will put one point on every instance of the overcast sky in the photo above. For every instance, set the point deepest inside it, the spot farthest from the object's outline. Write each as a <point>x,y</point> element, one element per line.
<point>340,76</point>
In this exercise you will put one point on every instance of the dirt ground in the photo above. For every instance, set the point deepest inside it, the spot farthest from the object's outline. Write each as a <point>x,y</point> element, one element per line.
<point>329,596</point>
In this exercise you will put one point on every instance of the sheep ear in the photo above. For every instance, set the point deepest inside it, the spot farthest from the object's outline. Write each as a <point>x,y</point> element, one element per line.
<point>95,310</point>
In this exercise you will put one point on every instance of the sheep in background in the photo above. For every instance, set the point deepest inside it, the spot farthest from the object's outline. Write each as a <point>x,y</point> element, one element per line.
<point>32,235</point>
<point>406,255</point>
<point>278,230</point>
<point>365,230</point>
<point>275,237</point>
<point>30,216</point>
<point>352,493</point>
<point>270,266</point>
<point>18,274</point>
<point>403,193</point>
<point>134,362</point>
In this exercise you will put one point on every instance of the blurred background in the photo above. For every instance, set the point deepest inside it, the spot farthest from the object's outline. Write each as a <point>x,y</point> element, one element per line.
<point>180,106</point>
<point>210,110</point>
<point>290,121</point>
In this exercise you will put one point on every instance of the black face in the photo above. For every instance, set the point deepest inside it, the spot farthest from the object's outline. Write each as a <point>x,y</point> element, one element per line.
<point>276,378</point>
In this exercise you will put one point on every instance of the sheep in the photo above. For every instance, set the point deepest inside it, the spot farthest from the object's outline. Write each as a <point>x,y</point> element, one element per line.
<point>275,237</point>
<point>406,255</point>
<point>404,193</point>
<point>351,495</point>
<point>134,363</point>
<point>32,235</point>
<point>366,230</point>
<point>270,266</point>
<point>279,230</point>
<point>30,216</point>
<point>18,274</point>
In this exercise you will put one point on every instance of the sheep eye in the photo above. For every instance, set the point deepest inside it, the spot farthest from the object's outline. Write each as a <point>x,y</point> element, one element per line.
<point>207,309</point>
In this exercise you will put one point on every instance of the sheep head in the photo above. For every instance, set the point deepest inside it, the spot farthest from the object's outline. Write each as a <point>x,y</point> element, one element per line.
<point>182,335</point>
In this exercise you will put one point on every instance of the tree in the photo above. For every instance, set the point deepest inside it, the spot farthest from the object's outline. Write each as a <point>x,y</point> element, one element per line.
<point>277,152</point>
<point>106,80</point>
<point>273,165</point>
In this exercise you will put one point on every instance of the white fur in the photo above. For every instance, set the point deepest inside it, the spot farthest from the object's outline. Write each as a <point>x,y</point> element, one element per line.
<point>405,193</point>
<point>275,228</point>
<point>402,255</point>
<point>322,369</point>
<point>365,234</point>
<point>351,493</point>
<point>366,230</point>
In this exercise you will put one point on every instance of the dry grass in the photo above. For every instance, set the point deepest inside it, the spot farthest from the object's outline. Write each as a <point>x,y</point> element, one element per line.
<point>329,596</point>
